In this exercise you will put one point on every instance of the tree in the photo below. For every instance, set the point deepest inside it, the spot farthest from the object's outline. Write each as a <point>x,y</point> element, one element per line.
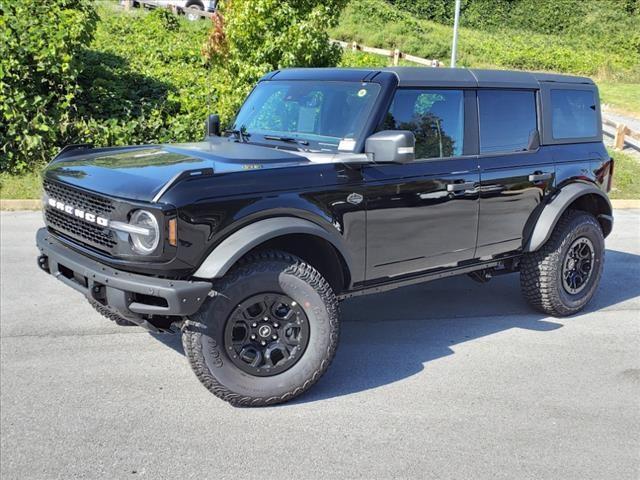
<point>252,37</point>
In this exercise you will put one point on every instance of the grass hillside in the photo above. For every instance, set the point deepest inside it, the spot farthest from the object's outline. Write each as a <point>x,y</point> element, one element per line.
<point>377,23</point>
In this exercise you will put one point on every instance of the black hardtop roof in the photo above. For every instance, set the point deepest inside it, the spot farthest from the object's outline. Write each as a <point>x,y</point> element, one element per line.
<point>429,76</point>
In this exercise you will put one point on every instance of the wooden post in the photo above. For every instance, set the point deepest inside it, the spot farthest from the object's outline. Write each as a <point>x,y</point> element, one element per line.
<point>396,57</point>
<point>618,140</point>
<point>354,46</point>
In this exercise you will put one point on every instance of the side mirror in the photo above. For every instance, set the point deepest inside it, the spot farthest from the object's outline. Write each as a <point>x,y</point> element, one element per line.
<point>391,146</point>
<point>213,126</point>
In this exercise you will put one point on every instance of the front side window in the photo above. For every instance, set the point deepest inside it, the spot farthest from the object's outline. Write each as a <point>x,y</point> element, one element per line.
<point>574,114</point>
<point>507,120</point>
<point>326,116</point>
<point>436,118</point>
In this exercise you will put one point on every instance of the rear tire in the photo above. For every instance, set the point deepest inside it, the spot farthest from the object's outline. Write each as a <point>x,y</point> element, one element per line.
<point>563,275</point>
<point>227,342</point>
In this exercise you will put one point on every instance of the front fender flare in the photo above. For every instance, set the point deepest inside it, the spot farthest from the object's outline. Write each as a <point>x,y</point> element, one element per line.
<point>239,243</point>
<point>554,209</point>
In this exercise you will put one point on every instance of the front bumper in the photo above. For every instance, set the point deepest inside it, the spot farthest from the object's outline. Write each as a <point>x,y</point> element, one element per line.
<point>134,297</point>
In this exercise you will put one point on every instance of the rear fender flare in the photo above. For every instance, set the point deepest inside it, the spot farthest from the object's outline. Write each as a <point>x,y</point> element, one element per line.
<point>553,210</point>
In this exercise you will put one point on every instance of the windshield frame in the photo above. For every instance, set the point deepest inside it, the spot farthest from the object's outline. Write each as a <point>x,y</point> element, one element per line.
<point>309,141</point>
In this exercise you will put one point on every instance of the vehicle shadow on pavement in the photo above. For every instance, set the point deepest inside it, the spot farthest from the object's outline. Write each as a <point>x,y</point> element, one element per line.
<point>389,337</point>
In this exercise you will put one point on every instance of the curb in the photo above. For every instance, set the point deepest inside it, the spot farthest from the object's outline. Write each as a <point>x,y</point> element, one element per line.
<point>26,204</point>
<point>625,203</point>
<point>16,205</point>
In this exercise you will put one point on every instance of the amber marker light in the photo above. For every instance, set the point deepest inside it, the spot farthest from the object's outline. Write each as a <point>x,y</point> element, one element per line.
<point>173,232</point>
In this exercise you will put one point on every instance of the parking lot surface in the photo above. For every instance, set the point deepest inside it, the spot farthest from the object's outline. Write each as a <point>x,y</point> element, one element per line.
<point>450,379</point>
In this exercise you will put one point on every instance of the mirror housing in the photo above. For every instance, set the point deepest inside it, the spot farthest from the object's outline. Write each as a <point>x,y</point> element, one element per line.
<point>391,146</point>
<point>213,126</point>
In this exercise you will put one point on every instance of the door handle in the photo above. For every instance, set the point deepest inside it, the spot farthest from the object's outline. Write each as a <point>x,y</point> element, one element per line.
<point>539,176</point>
<point>457,187</point>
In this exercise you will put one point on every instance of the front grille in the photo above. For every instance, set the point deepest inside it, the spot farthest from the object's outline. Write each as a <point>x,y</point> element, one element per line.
<point>82,200</point>
<point>66,223</point>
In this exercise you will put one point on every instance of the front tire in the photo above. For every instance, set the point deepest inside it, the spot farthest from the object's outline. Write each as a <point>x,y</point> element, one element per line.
<point>561,277</point>
<point>267,335</point>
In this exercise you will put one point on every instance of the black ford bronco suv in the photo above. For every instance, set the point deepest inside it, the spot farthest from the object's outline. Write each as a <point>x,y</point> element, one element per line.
<point>333,183</point>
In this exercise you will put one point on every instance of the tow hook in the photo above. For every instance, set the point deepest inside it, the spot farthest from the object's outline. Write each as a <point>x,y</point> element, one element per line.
<point>43,263</point>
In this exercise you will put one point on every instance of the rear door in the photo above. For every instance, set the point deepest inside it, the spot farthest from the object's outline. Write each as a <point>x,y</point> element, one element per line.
<point>514,174</point>
<point>424,215</point>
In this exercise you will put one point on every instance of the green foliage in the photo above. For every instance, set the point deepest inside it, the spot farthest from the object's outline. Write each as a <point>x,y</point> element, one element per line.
<point>131,77</point>
<point>441,11</point>
<point>253,37</point>
<point>39,66</point>
<point>362,60</point>
<point>378,23</point>
<point>622,97</point>
<point>143,80</point>
<point>27,185</point>
<point>626,176</point>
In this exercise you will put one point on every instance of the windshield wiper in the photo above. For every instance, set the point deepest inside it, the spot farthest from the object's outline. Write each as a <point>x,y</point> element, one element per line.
<point>286,139</point>
<point>240,134</point>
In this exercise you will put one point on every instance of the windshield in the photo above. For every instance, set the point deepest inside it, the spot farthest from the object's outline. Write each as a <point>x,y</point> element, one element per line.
<point>322,116</point>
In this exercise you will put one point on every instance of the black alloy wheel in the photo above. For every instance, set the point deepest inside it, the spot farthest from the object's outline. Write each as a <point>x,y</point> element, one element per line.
<point>266,334</point>
<point>578,265</point>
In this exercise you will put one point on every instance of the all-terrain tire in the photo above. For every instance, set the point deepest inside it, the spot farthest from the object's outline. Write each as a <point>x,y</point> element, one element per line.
<point>204,333</point>
<point>541,271</point>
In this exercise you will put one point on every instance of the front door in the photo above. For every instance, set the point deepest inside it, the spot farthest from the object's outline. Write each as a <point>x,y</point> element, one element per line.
<point>423,215</point>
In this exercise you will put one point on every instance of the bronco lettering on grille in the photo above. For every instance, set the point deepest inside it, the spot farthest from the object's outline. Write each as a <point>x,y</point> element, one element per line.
<point>76,212</point>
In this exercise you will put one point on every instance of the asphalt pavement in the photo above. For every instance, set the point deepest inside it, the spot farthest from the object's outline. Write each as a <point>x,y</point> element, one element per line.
<point>450,379</point>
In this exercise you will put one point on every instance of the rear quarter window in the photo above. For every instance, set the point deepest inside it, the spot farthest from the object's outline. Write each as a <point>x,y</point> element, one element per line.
<point>573,114</point>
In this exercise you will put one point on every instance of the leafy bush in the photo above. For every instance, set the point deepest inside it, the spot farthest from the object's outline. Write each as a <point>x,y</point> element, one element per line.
<point>39,49</point>
<point>70,73</point>
<point>143,80</point>
<point>252,37</point>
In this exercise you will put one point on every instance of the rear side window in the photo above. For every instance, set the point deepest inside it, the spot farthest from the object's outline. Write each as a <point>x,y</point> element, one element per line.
<point>436,118</point>
<point>573,114</point>
<point>507,120</point>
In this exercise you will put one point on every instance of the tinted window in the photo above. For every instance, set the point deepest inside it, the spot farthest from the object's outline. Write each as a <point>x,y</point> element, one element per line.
<point>436,118</point>
<point>573,114</point>
<point>327,115</point>
<point>507,119</point>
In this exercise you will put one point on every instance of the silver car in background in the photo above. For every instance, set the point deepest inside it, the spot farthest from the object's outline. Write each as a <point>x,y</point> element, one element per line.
<point>184,6</point>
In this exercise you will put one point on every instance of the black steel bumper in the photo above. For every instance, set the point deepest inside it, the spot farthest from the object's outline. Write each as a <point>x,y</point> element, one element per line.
<point>132,296</point>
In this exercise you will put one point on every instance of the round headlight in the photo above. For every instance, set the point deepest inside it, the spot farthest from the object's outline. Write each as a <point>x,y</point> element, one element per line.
<point>145,243</point>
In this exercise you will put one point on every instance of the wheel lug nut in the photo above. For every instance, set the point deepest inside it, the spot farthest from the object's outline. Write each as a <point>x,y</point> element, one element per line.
<point>263,343</point>
<point>266,319</point>
<point>253,337</point>
<point>275,337</point>
<point>276,325</point>
<point>254,325</point>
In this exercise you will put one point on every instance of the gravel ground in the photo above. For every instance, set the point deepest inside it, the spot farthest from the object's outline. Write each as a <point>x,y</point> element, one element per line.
<point>450,379</point>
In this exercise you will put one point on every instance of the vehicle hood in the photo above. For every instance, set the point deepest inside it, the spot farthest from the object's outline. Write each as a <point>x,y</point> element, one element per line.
<point>140,173</point>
